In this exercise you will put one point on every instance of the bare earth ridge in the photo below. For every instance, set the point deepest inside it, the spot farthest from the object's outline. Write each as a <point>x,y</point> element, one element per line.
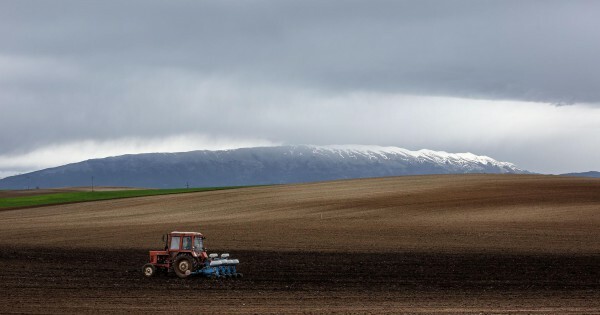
<point>419,244</point>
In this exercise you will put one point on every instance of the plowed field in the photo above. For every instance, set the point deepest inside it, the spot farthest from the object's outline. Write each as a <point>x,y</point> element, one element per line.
<point>423,244</point>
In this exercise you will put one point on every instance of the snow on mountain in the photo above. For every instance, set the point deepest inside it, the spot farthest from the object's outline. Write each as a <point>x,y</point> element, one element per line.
<point>255,166</point>
<point>468,160</point>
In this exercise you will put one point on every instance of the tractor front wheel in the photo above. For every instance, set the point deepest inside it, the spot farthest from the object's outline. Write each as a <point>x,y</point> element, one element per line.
<point>183,266</point>
<point>149,270</point>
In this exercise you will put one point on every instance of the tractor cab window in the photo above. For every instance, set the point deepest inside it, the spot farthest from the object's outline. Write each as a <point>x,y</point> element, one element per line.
<point>174,242</point>
<point>198,246</point>
<point>187,243</point>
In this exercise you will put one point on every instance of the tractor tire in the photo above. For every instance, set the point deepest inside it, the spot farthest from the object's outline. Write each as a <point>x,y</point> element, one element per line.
<point>149,270</point>
<point>183,266</point>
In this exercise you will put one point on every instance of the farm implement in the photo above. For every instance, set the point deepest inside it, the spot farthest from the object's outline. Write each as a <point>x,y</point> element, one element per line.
<point>185,255</point>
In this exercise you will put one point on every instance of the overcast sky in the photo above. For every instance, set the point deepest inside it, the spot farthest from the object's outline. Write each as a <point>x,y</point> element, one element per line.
<point>515,80</point>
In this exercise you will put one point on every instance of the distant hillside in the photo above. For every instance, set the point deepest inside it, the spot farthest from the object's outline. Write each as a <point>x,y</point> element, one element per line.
<point>255,166</point>
<point>584,174</point>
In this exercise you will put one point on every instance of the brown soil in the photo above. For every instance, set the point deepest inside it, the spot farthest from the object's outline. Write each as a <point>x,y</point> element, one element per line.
<point>73,281</point>
<point>423,244</point>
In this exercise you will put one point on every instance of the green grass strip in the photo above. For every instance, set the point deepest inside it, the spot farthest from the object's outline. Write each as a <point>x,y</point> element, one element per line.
<point>73,197</point>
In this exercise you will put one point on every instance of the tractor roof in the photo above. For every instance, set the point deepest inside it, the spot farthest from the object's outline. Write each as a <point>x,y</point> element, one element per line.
<point>194,233</point>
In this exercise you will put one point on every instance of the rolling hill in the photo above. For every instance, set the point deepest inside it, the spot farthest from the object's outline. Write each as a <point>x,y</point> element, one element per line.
<point>531,213</point>
<point>592,174</point>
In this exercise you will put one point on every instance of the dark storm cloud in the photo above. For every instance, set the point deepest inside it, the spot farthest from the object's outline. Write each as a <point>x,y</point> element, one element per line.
<point>525,50</point>
<point>79,70</point>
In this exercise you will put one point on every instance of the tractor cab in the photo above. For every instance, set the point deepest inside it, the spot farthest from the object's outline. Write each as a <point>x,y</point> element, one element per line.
<point>184,253</point>
<point>185,242</point>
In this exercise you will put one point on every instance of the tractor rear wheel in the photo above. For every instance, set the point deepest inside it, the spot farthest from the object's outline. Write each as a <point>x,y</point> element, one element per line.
<point>183,266</point>
<point>149,270</point>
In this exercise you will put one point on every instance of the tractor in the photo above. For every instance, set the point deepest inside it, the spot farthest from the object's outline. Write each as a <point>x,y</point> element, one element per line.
<point>184,254</point>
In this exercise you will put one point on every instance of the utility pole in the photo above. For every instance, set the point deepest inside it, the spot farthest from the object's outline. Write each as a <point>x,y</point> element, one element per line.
<point>92,183</point>
<point>187,185</point>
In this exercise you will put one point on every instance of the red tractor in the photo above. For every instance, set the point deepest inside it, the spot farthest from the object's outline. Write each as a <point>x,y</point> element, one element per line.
<point>185,255</point>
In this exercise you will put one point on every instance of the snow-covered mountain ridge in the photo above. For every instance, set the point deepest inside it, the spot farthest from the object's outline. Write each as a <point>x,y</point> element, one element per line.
<point>257,166</point>
<point>379,152</point>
